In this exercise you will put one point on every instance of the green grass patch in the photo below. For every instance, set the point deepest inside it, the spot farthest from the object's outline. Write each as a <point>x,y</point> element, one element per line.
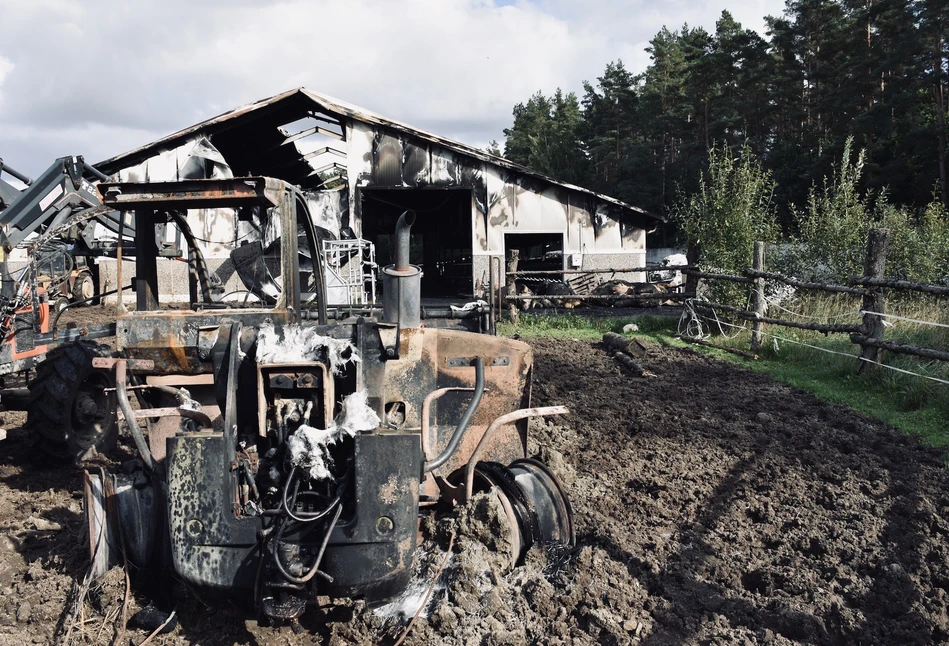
<point>591,328</point>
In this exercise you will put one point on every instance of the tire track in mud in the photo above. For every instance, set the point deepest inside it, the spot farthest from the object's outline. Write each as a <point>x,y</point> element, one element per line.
<point>749,510</point>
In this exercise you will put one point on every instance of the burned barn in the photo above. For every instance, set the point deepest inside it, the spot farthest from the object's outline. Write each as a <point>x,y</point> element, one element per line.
<point>359,171</point>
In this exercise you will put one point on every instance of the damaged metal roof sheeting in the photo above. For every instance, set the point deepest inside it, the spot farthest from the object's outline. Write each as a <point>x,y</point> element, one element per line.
<point>253,140</point>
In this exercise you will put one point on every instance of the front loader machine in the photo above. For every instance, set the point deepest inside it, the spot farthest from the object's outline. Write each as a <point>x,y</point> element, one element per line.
<point>282,458</point>
<point>71,406</point>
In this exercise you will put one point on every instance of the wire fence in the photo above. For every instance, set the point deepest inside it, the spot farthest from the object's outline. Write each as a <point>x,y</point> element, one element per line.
<point>702,318</point>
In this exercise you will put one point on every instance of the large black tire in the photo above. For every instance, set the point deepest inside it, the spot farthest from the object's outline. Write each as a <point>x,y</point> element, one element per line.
<point>84,289</point>
<point>70,409</point>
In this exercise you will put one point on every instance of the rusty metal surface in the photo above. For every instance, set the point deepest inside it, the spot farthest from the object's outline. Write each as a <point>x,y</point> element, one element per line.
<point>175,340</point>
<point>434,358</point>
<point>134,364</point>
<point>193,194</point>
<point>149,413</point>
<point>180,380</point>
<point>485,440</point>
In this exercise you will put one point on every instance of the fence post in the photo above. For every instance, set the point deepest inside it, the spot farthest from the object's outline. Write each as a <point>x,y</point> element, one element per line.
<point>692,260</point>
<point>758,297</point>
<point>512,259</point>
<point>875,267</point>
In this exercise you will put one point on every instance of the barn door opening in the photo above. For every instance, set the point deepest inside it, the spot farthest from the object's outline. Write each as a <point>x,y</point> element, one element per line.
<point>441,236</point>
<point>537,252</point>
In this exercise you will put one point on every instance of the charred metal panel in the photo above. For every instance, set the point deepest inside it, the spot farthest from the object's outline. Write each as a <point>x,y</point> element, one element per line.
<point>444,171</point>
<point>329,209</point>
<point>500,211</point>
<point>371,556</point>
<point>386,161</point>
<point>633,237</point>
<point>359,163</point>
<point>528,211</point>
<point>416,168</point>
<point>554,208</point>
<point>473,177</point>
<point>210,546</point>
<point>579,225</point>
<point>359,159</point>
<point>606,230</point>
<point>193,159</point>
<point>176,339</point>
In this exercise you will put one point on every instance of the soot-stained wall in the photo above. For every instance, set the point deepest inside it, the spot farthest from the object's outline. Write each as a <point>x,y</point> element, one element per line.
<point>502,200</point>
<point>596,232</point>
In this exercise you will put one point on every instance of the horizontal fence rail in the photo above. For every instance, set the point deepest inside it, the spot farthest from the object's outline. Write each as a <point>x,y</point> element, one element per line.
<point>926,288</point>
<point>569,272</point>
<point>504,287</point>
<point>868,334</point>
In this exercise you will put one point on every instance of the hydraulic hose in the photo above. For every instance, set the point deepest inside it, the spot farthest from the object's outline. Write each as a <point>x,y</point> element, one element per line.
<point>464,421</point>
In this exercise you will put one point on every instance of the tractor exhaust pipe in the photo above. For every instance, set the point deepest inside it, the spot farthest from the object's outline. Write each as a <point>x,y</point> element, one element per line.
<point>402,282</point>
<point>402,234</point>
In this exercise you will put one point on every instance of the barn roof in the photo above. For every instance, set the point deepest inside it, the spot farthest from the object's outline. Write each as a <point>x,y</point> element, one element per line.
<point>252,140</point>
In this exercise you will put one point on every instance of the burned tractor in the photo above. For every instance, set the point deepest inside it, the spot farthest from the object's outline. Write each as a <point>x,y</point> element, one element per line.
<point>282,457</point>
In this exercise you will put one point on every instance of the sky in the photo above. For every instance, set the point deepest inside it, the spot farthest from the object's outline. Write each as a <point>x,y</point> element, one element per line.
<point>100,77</point>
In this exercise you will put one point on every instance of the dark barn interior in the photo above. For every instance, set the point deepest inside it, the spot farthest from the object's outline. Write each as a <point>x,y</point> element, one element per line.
<point>441,236</point>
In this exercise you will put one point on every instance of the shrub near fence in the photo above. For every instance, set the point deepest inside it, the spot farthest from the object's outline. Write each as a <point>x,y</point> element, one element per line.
<point>869,334</point>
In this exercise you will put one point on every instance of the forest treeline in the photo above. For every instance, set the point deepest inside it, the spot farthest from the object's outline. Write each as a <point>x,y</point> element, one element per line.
<point>871,71</point>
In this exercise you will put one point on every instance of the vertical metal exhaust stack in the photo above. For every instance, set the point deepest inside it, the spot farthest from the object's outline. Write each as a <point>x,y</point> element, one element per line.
<point>402,282</point>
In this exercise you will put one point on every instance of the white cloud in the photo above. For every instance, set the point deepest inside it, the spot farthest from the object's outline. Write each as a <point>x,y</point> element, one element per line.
<point>99,77</point>
<point>6,66</point>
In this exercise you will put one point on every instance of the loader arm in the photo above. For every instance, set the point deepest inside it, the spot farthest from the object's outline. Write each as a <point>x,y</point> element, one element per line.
<point>49,200</point>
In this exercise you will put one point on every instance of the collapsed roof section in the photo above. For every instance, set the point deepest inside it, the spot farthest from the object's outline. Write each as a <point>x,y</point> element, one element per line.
<point>300,136</point>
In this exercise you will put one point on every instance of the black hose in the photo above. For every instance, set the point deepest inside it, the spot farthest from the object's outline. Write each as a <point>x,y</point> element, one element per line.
<point>85,300</point>
<point>314,569</point>
<point>319,262</point>
<point>251,481</point>
<point>309,517</point>
<point>196,262</point>
<point>464,421</point>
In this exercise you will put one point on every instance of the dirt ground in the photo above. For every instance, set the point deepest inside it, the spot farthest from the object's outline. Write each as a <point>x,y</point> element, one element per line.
<point>712,507</point>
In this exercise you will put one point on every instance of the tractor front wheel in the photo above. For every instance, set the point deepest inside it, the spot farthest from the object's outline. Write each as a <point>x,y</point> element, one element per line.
<point>72,406</point>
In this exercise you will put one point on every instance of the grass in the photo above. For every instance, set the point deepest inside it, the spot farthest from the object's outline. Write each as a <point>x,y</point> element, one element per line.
<point>591,328</point>
<point>916,406</point>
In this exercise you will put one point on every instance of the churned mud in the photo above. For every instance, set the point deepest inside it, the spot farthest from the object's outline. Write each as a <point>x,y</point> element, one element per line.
<point>712,507</point>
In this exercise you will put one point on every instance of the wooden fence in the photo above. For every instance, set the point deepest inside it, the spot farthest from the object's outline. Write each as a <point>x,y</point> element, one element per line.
<point>582,281</point>
<point>868,334</point>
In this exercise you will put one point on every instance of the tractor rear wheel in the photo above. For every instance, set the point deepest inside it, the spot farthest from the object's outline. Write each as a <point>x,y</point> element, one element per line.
<point>72,406</point>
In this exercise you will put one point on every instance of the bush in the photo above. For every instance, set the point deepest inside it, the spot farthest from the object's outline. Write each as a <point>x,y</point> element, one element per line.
<point>732,209</point>
<point>836,223</point>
